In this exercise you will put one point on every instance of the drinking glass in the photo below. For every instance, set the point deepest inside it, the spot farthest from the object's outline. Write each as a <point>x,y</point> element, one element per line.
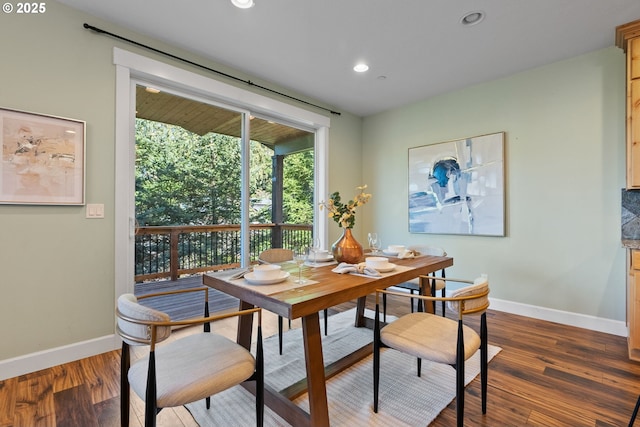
<point>374,242</point>
<point>313,250</point>
<point>300,256</point>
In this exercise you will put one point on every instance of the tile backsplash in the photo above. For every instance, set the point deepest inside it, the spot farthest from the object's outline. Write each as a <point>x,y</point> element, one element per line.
<point>630,214</point>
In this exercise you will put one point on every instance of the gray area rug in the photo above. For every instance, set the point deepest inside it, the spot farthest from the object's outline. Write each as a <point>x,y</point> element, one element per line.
<point>405,399</point>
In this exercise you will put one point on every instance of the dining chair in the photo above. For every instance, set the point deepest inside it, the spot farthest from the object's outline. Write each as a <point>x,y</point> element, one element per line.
<point>275,256</point>
<point>632,420</point>
<point>415,285</point>
<point>186,369</point>
<point>438,339</point>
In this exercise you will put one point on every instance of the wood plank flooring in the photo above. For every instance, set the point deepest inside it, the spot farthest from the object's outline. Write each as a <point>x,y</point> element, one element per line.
<point>547,375</point>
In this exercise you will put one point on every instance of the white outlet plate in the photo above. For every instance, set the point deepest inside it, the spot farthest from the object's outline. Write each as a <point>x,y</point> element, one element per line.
<point>95,210</point>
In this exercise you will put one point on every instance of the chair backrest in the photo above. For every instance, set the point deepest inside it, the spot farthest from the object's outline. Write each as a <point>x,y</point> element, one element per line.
<point>476,297</point>
<point>428,250</point>
<point>134,333</point>
<point>275,255</point>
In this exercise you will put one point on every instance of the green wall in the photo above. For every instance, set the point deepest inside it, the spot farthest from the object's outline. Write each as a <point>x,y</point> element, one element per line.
<point>564,127</point>
<point>57,284</point>
<point>565,166</point>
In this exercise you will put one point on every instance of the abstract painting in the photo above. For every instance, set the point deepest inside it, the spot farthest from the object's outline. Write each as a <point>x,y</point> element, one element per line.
<point>43,159</point>
<point>457,187</point>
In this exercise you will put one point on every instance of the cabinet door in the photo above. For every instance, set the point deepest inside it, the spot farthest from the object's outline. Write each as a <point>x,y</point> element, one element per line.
<point>633,52</point>
<point>633,305</point>
<point>633,129</point>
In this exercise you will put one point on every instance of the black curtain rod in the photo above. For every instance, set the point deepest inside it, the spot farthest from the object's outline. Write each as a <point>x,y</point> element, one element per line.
<point>248,82</point>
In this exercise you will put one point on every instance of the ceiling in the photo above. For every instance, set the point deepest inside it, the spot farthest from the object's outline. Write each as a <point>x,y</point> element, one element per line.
<point>201,118</point>
<point>415,48</point>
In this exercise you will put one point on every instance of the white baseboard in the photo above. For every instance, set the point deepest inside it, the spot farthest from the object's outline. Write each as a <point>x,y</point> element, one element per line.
<point>21,365</point>
<point>599,324</point>
<point>614,327</point>
<point>33,362</point>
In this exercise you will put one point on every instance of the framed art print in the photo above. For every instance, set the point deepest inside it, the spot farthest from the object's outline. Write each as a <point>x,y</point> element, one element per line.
<point>457,187</point>
<point>43,159</point>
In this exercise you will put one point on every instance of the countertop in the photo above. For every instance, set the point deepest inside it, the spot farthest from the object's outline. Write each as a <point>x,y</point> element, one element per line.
<point>631,243</point>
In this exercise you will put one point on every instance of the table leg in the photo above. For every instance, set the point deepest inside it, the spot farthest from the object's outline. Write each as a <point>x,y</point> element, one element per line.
<point>245,327</point>
<point>425,286</point>
<point>318,408</point>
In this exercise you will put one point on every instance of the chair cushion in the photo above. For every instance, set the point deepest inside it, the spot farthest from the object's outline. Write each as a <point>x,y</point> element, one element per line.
<point>192,368</point>
<point>479,286</point>
<point>129,306</point>
<point>429,337</point>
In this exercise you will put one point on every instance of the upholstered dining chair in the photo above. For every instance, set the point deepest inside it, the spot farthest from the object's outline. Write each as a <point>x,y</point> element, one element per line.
<point>415,285</point>
<point>439,339</point>
<point>275,256</point>
<point>186,369</point>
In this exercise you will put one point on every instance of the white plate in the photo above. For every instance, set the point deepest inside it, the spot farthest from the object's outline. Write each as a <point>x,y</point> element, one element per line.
<point>386,269</point>
<point>388,252</point>
<point>325,258</point>
<point>252,279</point>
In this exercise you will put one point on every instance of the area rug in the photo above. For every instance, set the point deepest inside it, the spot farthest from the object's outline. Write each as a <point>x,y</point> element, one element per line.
<point>405,398</point>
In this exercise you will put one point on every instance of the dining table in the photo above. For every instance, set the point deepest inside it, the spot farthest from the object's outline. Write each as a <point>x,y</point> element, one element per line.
<point>322,288</point>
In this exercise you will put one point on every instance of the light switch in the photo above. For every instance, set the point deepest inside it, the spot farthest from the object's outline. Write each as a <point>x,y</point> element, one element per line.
<point>95,210</point>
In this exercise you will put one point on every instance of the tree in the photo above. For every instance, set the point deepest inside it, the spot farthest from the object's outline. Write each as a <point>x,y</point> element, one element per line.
<point>183,178</point>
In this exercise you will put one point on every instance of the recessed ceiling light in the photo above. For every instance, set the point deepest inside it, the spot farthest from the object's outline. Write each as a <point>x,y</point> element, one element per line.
<point>242,4</point>
<point>152,89</point>
<point>361,68</point>
<point>472,18</point>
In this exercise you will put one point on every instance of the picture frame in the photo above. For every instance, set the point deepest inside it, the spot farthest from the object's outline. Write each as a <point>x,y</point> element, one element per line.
<point>42,160</point>
<point>457,187</point>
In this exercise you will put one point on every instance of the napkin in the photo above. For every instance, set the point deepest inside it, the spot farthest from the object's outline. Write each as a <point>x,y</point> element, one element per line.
<point>361,268</point>
<point>240,274</point>
<point>407,254</point>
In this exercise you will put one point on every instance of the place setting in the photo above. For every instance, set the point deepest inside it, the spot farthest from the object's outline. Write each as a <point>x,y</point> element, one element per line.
<point>319,257</point>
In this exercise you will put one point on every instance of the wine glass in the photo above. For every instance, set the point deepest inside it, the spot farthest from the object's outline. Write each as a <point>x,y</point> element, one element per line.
<point>300,256</point>
<point>313,250</point>
<point>374,242</point>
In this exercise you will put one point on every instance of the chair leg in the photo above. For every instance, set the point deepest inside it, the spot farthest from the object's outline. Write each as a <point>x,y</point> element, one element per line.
<point>280,334</point>
<point>484,359</point>
<point>326,321</point>
<point>259,380</point>
<point>460,377</point>
<point>418,305</point>
<point>384,307</point>
<point>151,406</point>
<point>444,293</point>
<point>376,358</point>
<point>635,413</point>
<point>419,366</point>
<point>125,363</point>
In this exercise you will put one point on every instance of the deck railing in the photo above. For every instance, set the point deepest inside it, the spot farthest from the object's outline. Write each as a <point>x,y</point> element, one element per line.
<point>173,251</point>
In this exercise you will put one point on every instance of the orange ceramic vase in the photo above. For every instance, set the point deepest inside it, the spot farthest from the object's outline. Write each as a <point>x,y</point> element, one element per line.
<point>347,249</point>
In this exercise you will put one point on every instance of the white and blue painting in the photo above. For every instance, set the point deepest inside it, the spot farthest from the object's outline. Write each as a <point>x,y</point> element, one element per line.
<point>457,187</point>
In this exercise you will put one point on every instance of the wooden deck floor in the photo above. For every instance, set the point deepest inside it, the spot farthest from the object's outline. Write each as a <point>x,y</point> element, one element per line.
<point>184,306</point>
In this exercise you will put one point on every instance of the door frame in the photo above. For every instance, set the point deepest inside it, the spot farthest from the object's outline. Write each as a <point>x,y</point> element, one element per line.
<point>132,68</point>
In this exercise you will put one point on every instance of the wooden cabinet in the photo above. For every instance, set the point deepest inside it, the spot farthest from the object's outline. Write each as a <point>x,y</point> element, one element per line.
<point>633,304</point>
<point>633,114</point>
<point>628,39</point>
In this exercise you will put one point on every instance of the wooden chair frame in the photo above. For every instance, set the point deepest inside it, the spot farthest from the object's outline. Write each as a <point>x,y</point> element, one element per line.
<point>151,408</point>
<point>459,365</point>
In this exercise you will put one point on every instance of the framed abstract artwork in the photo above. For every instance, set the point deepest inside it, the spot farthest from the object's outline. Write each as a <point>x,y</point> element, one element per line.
<point>43,159</point>
<point>457,187</point>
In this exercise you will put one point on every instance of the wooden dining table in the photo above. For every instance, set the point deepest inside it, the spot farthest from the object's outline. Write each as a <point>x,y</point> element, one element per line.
<point>323,289</point>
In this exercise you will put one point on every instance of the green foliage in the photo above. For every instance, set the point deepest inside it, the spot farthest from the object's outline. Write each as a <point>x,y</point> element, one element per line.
<point>298,188</point>
<point>183,178</point>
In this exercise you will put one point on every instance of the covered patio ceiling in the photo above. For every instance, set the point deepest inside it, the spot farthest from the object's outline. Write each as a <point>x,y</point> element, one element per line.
<point>201,118</point>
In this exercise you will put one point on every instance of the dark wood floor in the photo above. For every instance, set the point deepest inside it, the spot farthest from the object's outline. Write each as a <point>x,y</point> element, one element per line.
<point>547,375</point>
